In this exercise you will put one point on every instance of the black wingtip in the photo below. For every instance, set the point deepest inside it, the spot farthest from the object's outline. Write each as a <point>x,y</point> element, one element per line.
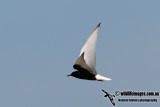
<point>99,24</point>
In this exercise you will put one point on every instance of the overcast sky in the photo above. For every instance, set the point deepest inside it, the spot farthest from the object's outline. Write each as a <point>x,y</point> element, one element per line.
<point>40,41</point>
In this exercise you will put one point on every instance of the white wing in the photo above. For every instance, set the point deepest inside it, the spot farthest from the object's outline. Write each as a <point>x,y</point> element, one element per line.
<point>89,50</point>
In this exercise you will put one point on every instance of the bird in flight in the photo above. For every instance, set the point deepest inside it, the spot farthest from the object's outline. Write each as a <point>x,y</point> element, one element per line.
<point>86,63</point>
<point>109,96</point>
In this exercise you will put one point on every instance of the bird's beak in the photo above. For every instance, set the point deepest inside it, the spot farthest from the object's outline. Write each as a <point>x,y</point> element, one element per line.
<point>68,75</point>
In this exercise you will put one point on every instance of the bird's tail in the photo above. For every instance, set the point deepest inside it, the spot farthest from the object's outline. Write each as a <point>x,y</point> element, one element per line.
<point>99,77</point>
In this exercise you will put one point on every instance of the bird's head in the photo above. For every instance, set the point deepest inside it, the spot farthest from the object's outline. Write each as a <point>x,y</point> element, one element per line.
<point>74,74</point>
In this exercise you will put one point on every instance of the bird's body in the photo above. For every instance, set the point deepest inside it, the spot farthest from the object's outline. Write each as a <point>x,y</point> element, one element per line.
<point>86,63</point>
<point>83,75</point>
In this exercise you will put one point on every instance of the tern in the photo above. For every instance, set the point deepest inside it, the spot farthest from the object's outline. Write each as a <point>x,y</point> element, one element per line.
<point>86,63</point>
<point>109,96</point>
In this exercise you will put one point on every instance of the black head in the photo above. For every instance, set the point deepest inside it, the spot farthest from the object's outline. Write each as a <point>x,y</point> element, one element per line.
<point>74,74</point>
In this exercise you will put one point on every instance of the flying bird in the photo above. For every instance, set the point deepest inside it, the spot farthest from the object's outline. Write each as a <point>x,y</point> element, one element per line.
<point>86,63</point>
<point>109,96</point>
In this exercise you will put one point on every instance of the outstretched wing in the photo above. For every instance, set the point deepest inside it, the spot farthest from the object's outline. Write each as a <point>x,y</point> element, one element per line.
<point>82,66</point>
<point>89,50</point>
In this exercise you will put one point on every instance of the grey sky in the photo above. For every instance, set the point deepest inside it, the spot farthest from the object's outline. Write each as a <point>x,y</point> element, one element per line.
<point>41,40</point>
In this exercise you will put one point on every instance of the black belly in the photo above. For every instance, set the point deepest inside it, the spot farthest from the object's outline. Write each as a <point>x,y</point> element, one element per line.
<point>85,75</point>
